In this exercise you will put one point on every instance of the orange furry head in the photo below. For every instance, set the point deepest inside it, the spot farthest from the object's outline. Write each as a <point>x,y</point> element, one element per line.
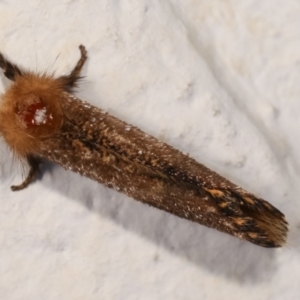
<point>30,111</point>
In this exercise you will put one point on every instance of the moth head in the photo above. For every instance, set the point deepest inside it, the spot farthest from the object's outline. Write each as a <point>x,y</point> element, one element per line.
<point>30,111</point>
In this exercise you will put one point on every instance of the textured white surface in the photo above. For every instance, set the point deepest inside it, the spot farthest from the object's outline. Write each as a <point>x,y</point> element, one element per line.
<point>217,79</point>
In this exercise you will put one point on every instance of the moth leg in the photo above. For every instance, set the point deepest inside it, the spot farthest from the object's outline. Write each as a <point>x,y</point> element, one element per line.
<point>33,171</point>
<point>70,81</point>
<point>77,69</point>
<point>10,70</point>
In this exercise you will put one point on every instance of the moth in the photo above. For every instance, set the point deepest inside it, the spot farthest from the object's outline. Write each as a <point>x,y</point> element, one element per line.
<point>41,119</point>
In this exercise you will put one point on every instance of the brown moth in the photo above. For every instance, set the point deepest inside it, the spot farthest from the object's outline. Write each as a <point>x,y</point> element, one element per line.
<point>41,119</point>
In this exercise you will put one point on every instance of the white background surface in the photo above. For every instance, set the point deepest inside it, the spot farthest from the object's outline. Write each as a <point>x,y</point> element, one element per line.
<point>217,79</point>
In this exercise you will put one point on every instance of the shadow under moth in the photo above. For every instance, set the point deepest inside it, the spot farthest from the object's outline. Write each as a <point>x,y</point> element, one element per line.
<point>41,119</point>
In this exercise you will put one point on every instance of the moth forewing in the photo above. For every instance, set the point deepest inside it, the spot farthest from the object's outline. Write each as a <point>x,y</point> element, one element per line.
<point>42,119</point>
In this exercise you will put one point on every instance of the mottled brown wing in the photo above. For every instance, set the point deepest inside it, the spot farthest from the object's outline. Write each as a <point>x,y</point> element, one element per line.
<point>98,145</point>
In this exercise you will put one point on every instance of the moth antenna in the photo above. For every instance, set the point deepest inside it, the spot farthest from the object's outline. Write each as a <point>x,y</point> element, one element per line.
<point>11,71</point>
<point>69,82</point>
